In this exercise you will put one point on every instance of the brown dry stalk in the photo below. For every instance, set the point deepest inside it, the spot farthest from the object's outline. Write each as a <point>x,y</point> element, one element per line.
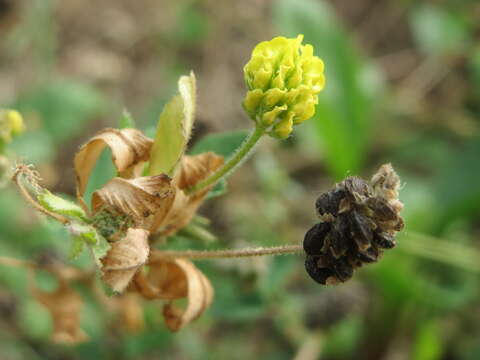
<point>227,253</point>
<point>25,170</point>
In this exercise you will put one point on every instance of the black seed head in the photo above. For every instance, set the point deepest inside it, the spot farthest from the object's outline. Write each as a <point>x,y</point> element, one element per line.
<point>319,274</point>
<point>362,221</point>
<point>315,238</point>
<point>328,203</point>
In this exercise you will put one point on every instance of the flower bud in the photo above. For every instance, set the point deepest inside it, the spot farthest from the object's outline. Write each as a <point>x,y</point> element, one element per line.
<point>283,78</point>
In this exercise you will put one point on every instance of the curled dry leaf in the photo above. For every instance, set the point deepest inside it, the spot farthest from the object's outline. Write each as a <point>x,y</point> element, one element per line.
<point>124,259</point>
<point>171,279</point>
<point>129,149</point>
<point>64,306</point>
<point>131,312</point>
<point>147,200</point>
<point>192,170</point>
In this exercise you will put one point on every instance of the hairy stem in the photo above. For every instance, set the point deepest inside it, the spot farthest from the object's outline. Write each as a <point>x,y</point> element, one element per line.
<point>35,204</point>
<point>227,253</point>
<point>240,155</point>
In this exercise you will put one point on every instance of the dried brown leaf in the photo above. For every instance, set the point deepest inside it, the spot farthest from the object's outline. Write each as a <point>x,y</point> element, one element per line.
<point>200,296</point>
<point>172,279</point>
<point>64,306</point>
<point>129,149</point>
<point>131,312</point>
<point>124,259</point>
<point>165,280</point>
<point>147,200</point>
<point>192,170</point>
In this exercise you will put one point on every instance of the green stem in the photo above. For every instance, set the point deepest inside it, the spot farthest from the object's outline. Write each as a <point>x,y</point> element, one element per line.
<point>240,155</point>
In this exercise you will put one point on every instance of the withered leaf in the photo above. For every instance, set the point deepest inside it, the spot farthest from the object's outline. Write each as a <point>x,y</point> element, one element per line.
<point>131,312</point>
<point>129,149</point>
<point>171,279</point>
<point>124,259</point>
<point>64,306</point>
<point>147,200</point>
<point>192,170</point>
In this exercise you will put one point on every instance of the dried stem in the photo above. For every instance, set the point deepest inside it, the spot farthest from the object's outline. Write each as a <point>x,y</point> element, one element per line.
<point>227,253</point>
<point>28,197</point>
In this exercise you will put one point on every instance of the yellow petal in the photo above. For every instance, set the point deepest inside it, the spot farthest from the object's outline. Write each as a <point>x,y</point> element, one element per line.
<point>252,100</point>
<point>270,116</point>
<point>284,128</point>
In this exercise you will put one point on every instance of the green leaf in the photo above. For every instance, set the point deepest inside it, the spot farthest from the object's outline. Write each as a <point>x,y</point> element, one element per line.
<point>61,206</point>
<point>127,121</point>
<point>87,235</point>
<point>174,128</point>
<point>343,118</point>
<point>223,144</point>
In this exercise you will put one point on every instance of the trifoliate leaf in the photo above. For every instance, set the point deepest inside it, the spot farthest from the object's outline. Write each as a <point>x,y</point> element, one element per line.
<point>174,128</point>
<point>61,206</point>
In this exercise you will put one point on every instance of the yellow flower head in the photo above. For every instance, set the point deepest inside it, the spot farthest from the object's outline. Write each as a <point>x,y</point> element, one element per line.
<point>283,78</point>
<point>11,124</point>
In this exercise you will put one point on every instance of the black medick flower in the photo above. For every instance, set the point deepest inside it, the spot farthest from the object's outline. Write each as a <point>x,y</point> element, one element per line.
<point>358,221</point>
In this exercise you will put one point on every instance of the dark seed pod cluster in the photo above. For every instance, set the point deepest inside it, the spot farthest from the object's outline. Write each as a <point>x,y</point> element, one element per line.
<point>358,220</point>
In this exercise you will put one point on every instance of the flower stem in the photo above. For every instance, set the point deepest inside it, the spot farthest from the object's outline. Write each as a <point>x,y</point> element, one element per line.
<point>227,253</point>
<point>240,155</point>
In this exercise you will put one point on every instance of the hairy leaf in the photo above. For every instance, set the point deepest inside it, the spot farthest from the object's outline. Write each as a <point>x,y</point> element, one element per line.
<point>61,206</point>
<point>174,128</point>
